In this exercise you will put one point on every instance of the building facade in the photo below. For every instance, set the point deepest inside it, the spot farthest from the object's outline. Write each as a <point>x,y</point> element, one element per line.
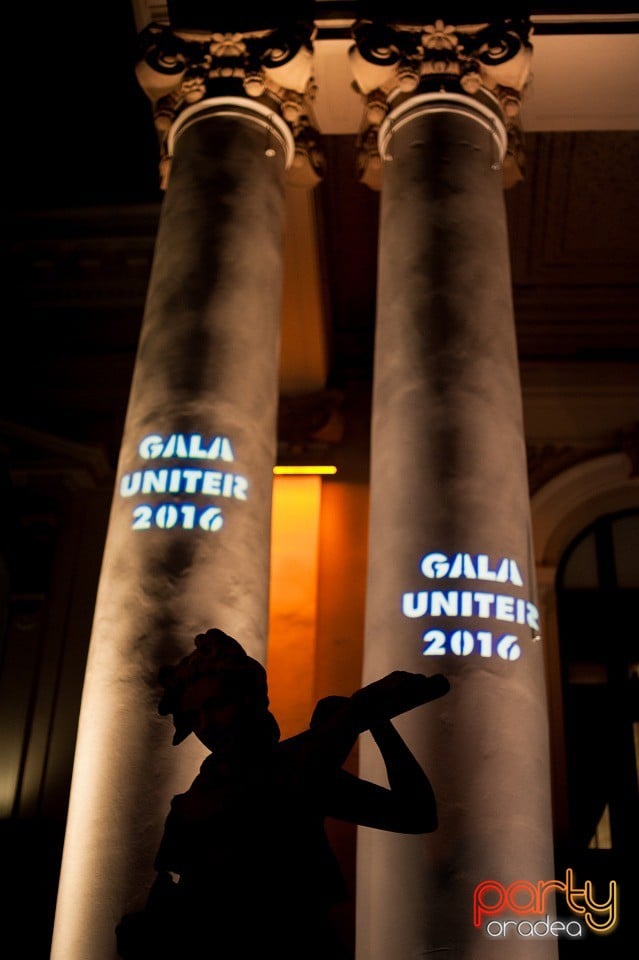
<point>399,279</point>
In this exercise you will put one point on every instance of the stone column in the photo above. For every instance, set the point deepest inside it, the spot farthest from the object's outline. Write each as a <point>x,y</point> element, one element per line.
<point>188,540</point>
<point>450,579</point>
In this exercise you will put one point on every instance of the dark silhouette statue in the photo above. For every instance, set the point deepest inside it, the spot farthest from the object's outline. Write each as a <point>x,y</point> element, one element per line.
<point>245,869</point>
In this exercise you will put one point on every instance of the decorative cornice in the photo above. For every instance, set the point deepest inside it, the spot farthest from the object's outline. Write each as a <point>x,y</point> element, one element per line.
<point>270,68</point>
<point>392,63</point>
<point>548,460</point>
<point>309,425</point>
<point>41,460</point>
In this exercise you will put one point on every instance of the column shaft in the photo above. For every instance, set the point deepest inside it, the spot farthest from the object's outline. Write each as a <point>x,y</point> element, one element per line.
<point>448,477</point>
<point>188,541</point>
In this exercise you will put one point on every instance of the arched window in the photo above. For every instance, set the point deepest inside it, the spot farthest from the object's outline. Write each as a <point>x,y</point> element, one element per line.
<point>598,618</point>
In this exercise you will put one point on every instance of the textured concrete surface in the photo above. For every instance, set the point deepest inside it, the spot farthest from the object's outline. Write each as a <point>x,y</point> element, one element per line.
<point>206,365</point>
<point>448,474</point>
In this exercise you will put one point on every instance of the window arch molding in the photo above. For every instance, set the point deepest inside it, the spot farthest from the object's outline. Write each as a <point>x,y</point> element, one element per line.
<point>575,498</point>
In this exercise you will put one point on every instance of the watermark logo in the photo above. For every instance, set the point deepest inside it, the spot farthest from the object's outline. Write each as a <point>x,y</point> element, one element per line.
<point>530,904</point>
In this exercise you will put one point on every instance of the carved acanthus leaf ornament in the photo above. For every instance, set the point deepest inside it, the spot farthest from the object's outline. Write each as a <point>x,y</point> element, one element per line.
<point>393,62</point>
<point>273,67</point>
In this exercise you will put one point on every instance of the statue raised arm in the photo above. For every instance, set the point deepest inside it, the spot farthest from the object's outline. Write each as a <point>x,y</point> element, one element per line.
<point>245,868</point>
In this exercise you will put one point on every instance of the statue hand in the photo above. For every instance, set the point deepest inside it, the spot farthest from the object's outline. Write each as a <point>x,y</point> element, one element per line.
<point>396,693</point>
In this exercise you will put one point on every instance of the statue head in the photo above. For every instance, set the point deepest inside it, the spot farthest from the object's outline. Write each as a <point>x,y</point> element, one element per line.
<point>216,691</point>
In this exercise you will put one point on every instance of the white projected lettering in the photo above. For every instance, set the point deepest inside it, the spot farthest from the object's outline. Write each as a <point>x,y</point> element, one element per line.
<point>469,603</point>
<point>478,567</point>
<point>182,446</point>
<point>184,480</point>
<point>168,515</point>
<point>194,478</point>
<point>478,604</point>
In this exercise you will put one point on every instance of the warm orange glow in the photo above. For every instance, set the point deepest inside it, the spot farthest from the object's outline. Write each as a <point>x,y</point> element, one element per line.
<point>342,588</point>
<point>301,471</point>
<point>293,599</point>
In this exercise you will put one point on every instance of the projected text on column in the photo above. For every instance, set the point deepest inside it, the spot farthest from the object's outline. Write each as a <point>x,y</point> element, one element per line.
<point>194,478</point>
<point>493,604</point>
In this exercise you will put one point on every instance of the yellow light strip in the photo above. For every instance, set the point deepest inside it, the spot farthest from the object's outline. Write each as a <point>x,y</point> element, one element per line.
<point>293,471</point>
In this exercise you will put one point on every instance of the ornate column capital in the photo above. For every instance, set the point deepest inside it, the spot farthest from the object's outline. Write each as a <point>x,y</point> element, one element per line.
<point>268,71</point>
<point>487,63</point>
